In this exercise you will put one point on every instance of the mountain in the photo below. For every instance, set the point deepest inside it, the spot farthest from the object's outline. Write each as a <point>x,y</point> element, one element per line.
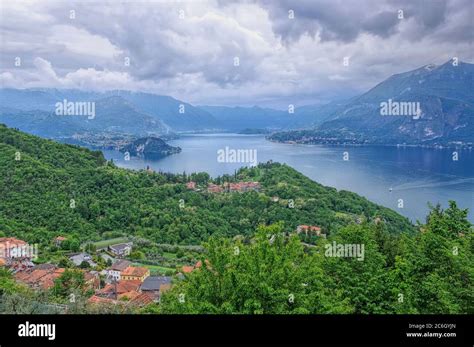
<point>241,118</point>
<point>146,113</point>
<point>111,114</point>
<point>176,114</point>
<point>150,148</point>
<point>444,94</point>
<point>116,114</point>
<point>138,113</point>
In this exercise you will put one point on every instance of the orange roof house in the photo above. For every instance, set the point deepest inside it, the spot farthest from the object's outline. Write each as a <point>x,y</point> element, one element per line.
<point>39,277</point>
<point>98,300</point>
<point>119,288</point>
<point>191,185</point>
<point>9,245</point>
<point>135,273</point>
<point>199,264</point>
<point>214,188</point>
<point>187,269</point>
<point>58,240</point>
<point>142,299</point>
<point>16,254</point>
<point>243,186</point>
<point>132,298</point>
<point>311,229</point>
<point>191,268</point>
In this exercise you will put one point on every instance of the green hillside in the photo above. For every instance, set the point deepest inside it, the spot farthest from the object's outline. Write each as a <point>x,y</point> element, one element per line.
<point>37,192</point>
<point>401,269</point>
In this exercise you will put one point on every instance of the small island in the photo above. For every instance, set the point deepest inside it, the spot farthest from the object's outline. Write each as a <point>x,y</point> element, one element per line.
<point>150,148</point>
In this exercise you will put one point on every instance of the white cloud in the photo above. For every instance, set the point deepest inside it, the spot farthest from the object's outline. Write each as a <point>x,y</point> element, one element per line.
<point>281,60</point>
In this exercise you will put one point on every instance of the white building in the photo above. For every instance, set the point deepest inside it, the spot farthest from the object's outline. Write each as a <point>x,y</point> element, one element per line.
<point>114,271</point>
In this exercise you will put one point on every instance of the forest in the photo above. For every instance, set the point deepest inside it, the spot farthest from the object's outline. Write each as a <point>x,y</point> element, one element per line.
<point>253,261</point>
<point>50,189</point>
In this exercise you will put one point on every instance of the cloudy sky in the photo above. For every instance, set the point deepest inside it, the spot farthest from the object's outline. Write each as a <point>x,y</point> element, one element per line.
<point>262,52</point>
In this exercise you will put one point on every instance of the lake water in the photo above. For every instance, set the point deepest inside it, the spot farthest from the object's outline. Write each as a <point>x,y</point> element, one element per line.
<point>416,175</point>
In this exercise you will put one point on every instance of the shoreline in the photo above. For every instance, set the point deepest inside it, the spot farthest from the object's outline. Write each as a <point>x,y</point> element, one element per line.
<point>398,145</point>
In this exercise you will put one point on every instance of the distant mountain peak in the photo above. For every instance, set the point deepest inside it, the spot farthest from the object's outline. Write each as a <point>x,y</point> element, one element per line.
<point>430,67</point>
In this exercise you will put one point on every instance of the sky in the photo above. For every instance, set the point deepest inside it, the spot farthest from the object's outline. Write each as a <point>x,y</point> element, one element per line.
<point>263,52</point>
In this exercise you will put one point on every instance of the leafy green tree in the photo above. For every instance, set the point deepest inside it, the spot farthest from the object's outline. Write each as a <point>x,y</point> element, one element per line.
<point>69,282</point>
<point>362,279</point>
<point>435,269</point>
<point>84,265</point>
<point>271,275</point>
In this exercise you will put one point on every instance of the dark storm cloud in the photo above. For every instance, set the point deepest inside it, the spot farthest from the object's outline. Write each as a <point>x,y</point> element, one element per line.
<point>382,24</point>
<point>280,60</point>
<point>345,20</point>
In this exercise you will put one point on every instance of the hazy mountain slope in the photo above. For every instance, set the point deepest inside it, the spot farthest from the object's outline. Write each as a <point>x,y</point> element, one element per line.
<point>112,114</point>
<point>167,109</point>
<point>446,97</point>
<point>239,118</point>
<point>163,109</point>
<point>169,113</point>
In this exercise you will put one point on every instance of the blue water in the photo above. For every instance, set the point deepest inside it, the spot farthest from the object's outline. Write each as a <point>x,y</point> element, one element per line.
<point>416,175</point>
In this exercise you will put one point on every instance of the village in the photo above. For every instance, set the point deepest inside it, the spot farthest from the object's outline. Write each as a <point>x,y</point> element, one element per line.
<point>116,271</point>
<point>123,282</point>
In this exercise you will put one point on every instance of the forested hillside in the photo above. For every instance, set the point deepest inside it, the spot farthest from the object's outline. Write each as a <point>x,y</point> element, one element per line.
<point>430,272</point>
<point>55,189</point>
<point>253,262</point>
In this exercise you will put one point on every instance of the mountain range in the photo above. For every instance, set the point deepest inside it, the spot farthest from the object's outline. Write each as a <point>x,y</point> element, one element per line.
<point>444,93</point>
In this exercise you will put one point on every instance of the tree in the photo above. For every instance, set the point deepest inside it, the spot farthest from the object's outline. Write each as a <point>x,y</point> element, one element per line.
<point>361,279</point>
<point>434,270</point>
<point>84,265</point>
<point>69,282</point>
<point>137,255</point>
<point>272,274</point>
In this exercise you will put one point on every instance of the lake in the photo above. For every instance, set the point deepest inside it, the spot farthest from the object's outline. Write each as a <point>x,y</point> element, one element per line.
<point>415,175</point>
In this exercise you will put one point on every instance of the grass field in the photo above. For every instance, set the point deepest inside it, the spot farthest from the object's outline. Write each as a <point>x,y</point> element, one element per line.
<point>106,243</point>
<point>169,255</point>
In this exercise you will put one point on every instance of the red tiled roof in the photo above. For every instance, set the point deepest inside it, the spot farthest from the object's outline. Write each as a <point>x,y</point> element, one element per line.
<point>129,295</point>
<point>187,269</point>
<point>135,271</point>
<point>309,227</point>
<point>122,287</point>
<point>12,240</point>
<point>191,185</point>
<point>100,300</point>
<point>9,243</point>
<point>43,278</point>
<point>142,299</point>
